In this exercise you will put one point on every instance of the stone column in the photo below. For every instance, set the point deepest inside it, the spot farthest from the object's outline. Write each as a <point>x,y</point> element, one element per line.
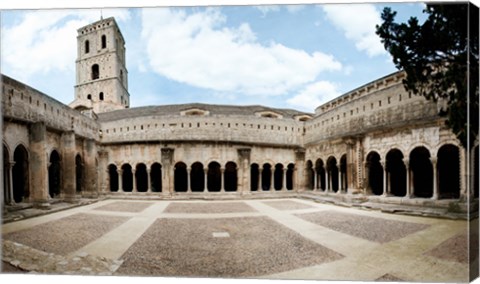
<point>407,171</point>
<point>327,180</point>
<point>10,165</point>
<point>134,177</point>
<point>120,179</point>
<point>299,184</point>
<point>168,170</point>
<point>260,171</point>
<point>315,179</point>
<point>149,179</point>
<point>243,172</point>
<point>384,193</point>
<point>367,189</point>
<point>103,171</point>
<point>272,179</point>
<point>38,165</point>
<point>284,183</point>
<point>435,183</point>
<point>205,180</point>
<point>68,166</point>
<point>189,179</point>
<point>339,181</point>
<point>222,180</point>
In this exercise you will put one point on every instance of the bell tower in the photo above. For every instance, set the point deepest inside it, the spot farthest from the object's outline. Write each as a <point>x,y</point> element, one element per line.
<point>101,73</point>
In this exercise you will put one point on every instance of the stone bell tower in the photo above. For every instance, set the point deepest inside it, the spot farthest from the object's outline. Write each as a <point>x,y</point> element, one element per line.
<point>101,73</point>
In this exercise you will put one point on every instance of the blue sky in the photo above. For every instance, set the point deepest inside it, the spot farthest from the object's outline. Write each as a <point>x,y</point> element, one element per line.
<point>284,56</point>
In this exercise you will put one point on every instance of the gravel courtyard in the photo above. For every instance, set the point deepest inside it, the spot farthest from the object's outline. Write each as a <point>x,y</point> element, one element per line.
<point>274,239</point>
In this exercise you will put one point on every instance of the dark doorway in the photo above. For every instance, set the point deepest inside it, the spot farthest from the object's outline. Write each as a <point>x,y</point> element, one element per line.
<point>214,177</point>
<point>54,174</point>
<point>141,177</point>
<point>320,177</point>
<point>278,177</point>
<point>422,171</point>
<point>79,173</point>
<point>230,176</point>
<point>448,171</point>
<point>113,176</point>
<point>156,177</point>
<point>290,172</point>
<point>180,177</point>
<point>254,175</point>
<point>20,174</point>
<point>197,177</point>
<point>266,177</point>
<point>309,175</point>
<point>127,178</point>
<point>397,172</point>
<point>375,173</point>
<point>332,169</point>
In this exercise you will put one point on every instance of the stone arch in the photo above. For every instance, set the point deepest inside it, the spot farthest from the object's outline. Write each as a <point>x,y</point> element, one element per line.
<point>266,176</point>
<point>214,177</point>
<point>79,172</point>
<point>374,173</point>
<point>20,174</point>
<point>141,177</point>
<point>197,177</point>
<point>343,173</point>
<point>156,177</point>
<point>113,177</point>
<point>309,175</point>
<point>127,178</point>
<point>180,177</point>
<point>397,172</point>
<point>290,176</point>
<point>422,172</point>
<point>254,177</point>
<point>448,171</point>
<point>54,174</point>
<point>332,170</point>
<point>320,174</point>
<point>230,176</point>
<point>278,177</point>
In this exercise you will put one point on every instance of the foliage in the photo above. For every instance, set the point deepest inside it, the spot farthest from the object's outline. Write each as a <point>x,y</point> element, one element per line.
<point>440,58</point>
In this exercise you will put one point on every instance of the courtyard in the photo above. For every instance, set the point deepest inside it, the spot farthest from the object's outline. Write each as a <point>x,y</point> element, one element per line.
<point>288,238</point>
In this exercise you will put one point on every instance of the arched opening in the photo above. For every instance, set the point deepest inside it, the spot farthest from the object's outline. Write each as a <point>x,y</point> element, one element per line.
<point>100,96</point>
<point>476,163</point>
<point>375,173</point>
<point>230,176</point>
<point>6,175</point>
<point>278,177</point>
<point>332,169</point>
<point>127,178</point>
<point>113,177</point>
<point>87,46</point>
<point>290,172</point>
<point>95,71</point>
<point>397,173</point>
<point>180,177</point>
<point>141,178</point>
<point>266,177</point>
<point>20,174</point>
<point>448,171</point>
<point>422,172</point>
<point>54,174</point>
<point>309,175</point>
<point>104,41</point>
<point>79,170</point>
<point>197,177</point>
<point>343,173</point>
<point>214,177</point>
<point>156,177</point>
<point>254,176</point>
<point>89,97</point>
<point>320,174</point>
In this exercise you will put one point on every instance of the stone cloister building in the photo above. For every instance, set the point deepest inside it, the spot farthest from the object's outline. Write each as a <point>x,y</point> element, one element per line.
<point>375,144</point>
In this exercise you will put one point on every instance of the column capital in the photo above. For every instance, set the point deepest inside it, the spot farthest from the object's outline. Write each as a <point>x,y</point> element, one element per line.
<point>433,160</point>
<point>406,161</point>
<point>119,171</point>
<point>11,164</point>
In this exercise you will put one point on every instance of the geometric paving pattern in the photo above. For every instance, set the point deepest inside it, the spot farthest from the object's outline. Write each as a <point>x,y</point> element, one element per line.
<point>272,239</point>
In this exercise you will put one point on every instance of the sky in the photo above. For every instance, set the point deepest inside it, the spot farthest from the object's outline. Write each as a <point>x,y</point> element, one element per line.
<point>283,56</point>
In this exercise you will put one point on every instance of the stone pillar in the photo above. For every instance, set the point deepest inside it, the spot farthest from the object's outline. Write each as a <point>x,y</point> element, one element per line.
<point>10,200</point>
<point>189,179</point>
<point>134,179</point>
<point>103,171</point>
<point>222,180</point>
<point>120,180</point>
<point>435,183</point>
<point>91,175</point>
<point>299,184</point>
<point>68,166</point>
<point>315,179</point>
<point>407,171</point>
<point>384,193</point>
<point>243,172</point>
<point>284,182</point>
<point>260,171</point>
<point>168,170</point>
<point>367,189</point>
<point>38,165</point>
<point>339,181</point>
<point>272,180</point>
<point>149,179</point>
<point>205,180</point>
<point>327,179</point>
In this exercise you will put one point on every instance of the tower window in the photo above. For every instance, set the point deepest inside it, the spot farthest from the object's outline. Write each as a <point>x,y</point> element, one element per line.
<point>89,97</point>
<point>95,72</point>
<point>87,46</point>
<point>101,96</point>
<point>104,41</point>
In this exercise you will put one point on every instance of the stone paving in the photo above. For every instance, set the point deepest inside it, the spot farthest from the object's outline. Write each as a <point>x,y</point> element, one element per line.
<point>272,239</point>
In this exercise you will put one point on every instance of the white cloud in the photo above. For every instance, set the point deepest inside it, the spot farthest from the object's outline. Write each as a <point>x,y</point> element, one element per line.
<point>265,9</point>
<point>314,95</point>
<point>294,8</point>
<point>44,41</point>
<point>357,21</point>
<point>197,49</point>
